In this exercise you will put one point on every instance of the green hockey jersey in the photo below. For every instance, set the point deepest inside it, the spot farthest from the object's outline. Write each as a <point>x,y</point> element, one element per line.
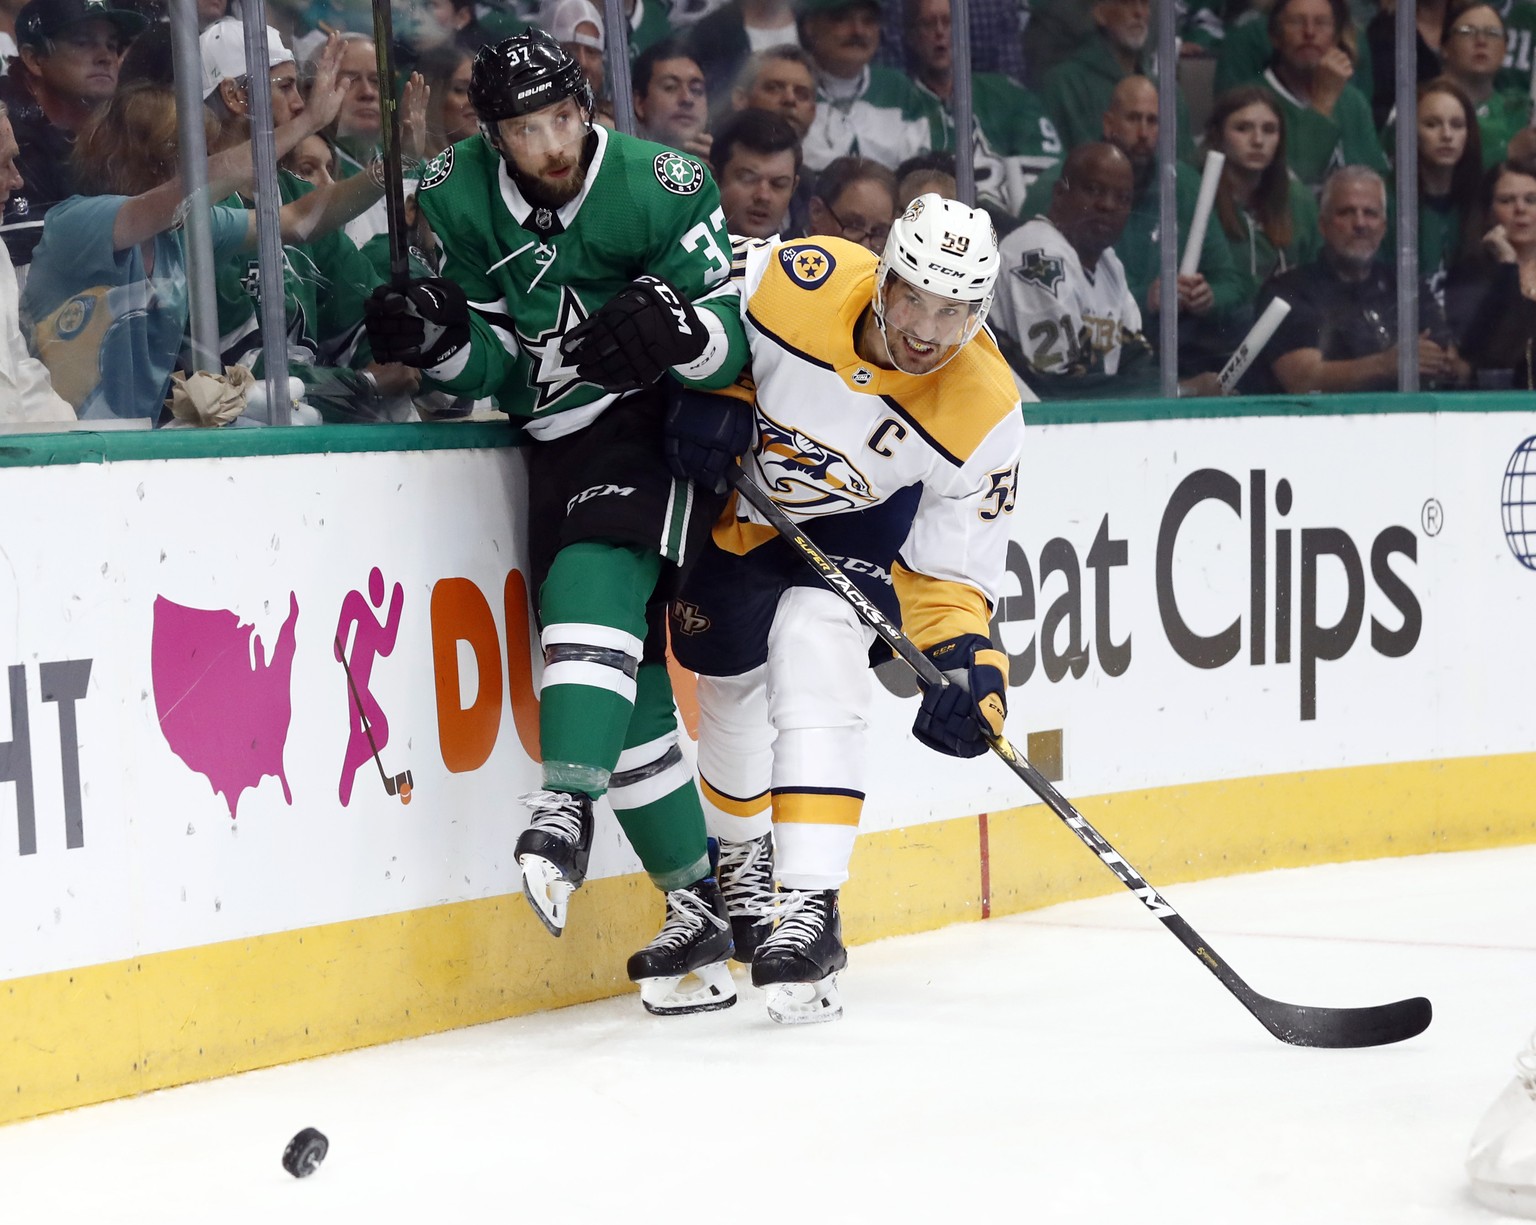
<point>532,273</point>
<point>325,284</point>
<point>1012,141</point>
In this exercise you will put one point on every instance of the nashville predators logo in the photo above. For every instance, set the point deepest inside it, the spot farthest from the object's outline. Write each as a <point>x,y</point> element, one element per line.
<point>807,267</point>
<point>805,476</point>
<point>687,619</point>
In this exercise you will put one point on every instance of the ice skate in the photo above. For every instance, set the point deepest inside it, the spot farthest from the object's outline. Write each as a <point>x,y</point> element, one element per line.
<point>553,852</point>
<point>746,882</point>
<point>798,963</point>
<point>684,968</point>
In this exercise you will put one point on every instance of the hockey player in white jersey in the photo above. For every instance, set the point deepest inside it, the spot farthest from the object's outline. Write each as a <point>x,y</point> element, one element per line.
<point>880,414</point>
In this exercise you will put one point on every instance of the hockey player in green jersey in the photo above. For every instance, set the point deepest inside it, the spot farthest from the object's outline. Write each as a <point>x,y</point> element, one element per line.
<point>570,253</point>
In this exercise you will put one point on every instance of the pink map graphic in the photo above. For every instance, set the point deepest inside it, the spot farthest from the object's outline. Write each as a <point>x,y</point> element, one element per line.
<point>224,710</point>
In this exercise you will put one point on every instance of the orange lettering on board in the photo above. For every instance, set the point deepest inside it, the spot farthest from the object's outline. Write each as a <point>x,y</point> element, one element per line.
<point>460,613</point>
<point>520,642</point>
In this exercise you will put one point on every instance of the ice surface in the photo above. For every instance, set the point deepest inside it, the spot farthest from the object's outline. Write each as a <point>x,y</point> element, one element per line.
<point>1074,1065</point>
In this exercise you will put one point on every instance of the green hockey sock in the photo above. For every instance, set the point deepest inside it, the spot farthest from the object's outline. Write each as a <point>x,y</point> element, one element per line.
<point>652,791</point>
<point>592,607</point>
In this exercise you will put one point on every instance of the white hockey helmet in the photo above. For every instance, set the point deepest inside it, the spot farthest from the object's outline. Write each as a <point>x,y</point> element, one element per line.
<point>947,249</point>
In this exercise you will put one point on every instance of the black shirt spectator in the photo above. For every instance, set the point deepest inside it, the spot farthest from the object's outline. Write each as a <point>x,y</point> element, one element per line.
<point>1341,333</point>
<point>66,66</point>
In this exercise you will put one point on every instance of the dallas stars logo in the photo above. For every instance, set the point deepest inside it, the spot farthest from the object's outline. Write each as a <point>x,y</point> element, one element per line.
<point>680,175</point>
<point>1038,268</point>
<point>550,376</point>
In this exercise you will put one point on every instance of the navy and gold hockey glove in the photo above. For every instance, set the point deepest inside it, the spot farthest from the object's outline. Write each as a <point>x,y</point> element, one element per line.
<point>631,340</point>
<point>704,435</point>
<point>422,325</point>
<point>956,718</point>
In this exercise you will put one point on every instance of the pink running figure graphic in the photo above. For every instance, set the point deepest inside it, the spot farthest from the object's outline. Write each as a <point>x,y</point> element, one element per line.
<point>370,726</point>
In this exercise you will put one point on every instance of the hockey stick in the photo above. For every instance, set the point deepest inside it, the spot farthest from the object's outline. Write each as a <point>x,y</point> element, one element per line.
<point>1296,1024</point>
<point>398,784</point>
<point>389,132</point>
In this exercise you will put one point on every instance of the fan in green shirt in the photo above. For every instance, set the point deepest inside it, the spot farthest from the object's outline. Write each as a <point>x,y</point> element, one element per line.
<point>1327,123</point>
<point>1450,178</point>
<point>1474,48</point>
<point>1265,218</point>
<point>1076,92</point>
<point>1130,124</point>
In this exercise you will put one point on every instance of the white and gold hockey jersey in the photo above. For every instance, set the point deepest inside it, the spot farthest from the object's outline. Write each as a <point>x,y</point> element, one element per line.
<point>838,434</point>
<point>1063,319</point>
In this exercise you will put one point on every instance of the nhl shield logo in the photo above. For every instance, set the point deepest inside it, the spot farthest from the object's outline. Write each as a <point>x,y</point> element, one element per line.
<point>862,376</point>
<point>544,219</point>
<point>680,175</point>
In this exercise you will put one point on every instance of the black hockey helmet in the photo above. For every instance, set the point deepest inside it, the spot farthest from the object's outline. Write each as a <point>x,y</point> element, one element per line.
<point>524,73</point>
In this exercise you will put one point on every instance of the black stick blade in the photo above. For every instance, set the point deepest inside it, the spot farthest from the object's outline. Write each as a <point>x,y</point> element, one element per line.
<point>1343,1028</point>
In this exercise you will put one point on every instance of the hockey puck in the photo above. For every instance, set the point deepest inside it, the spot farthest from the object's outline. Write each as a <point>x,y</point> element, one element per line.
<point>305,1152</point>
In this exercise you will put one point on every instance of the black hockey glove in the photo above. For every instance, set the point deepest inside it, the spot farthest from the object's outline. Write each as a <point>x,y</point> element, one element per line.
<point>954,717</point>
<point>422,325</point>
<point>704,435</point>
<point>631,340</point>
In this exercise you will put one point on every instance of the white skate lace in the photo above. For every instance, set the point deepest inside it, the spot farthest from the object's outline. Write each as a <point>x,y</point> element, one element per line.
<point>745,873</point>
<point>801,920</point>
<point>687,913</point>
<point>1525,1067</point>
<point>555,812</point>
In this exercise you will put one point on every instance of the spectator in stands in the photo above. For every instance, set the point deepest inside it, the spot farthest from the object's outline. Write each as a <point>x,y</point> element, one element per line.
<point>8,11</point>
<point>1267,219</point>
<point>450,114</point>
<point>357,131</point>
<point>1381,38</point>
<point>1450,179</point>
<point>994,26</point>
<point>1131,124</point>
<point>650,22</point>
<point>577,25</point>
<point>326,281</point>
<point>1246,50</point>
<point>1077,92</point>
<point>1341,334</point>
<point>722,42</point>
<point>446,23</point>
<point>26,393</point>
<point>1328,124</point>
<point>1491,293</point>
<point>855,198</point>
<point>755,159</point>
<point>1056,29</point>
<point>1011,141</point>
<point>862,108</point>
<point>1473,48</point>
<point>779,79</point>
<point>1064,315</point>
<point>313,160</point>
<point>920,182</point>
<point>65,70</point>
<point>670,106</point>
<point>107,296</point>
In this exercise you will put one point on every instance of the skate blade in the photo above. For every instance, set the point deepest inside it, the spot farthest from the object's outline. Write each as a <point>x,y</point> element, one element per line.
<point>805,1003</point>
<point>707,989</point>
<point>547,891</point>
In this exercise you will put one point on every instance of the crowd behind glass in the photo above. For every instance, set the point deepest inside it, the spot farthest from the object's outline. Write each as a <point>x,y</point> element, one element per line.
<point>816,117</point>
